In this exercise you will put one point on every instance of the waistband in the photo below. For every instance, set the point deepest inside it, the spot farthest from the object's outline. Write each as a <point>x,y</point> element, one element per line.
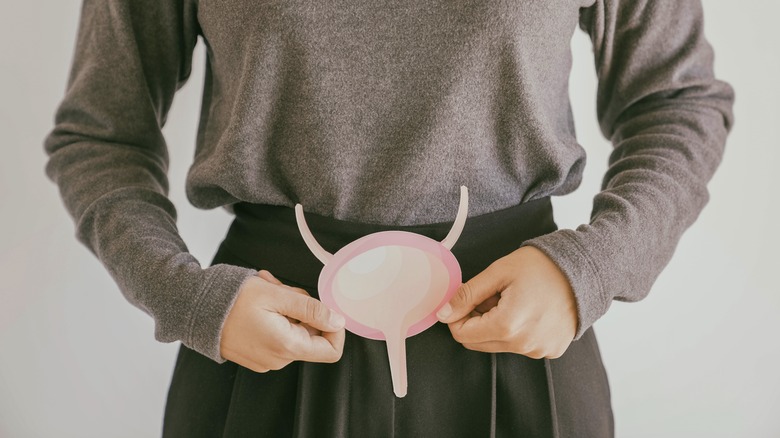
<point>267,237</point>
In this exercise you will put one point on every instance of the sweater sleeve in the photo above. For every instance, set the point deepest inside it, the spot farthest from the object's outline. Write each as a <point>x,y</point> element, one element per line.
<point>108,157</point>
<point>667,117</point>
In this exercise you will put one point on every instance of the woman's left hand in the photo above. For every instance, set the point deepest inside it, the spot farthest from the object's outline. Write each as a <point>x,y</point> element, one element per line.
<point>522,303</point>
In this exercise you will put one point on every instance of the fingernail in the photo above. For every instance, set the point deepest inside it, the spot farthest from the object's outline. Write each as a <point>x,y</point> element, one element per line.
<point>445,311</point>
<point>336,320</point>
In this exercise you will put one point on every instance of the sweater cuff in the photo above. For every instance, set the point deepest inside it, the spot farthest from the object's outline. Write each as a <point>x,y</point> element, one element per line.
<point>565,249</point>
<point>211,307</point>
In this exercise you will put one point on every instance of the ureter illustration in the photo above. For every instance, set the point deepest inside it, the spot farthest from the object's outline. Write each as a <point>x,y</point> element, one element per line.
<point>389,285</point>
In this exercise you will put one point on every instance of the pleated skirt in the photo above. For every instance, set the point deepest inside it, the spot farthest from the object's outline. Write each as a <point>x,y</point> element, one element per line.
<point>452,391</point>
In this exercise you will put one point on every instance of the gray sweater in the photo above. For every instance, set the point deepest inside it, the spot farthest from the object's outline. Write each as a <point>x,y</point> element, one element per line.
<point>377,111</point>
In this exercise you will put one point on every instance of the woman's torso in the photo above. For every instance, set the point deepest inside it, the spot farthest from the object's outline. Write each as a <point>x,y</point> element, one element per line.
<point>378,111</point>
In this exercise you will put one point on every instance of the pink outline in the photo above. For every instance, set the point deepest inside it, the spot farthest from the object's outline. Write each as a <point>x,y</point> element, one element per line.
<point>383,238</point>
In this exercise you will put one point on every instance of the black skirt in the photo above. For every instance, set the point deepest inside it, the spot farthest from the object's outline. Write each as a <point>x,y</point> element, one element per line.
<point>453,392</point>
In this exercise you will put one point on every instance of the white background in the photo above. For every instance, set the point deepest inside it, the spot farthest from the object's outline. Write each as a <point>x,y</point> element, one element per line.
<point>698,358</point>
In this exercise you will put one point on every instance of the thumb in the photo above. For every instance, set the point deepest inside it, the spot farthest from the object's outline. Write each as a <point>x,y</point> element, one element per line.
<point>471,294</point>
<point>309,310</point>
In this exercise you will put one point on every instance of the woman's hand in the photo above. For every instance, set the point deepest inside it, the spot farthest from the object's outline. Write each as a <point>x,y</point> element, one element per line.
<point>272,324</point>
<point>522,303</point>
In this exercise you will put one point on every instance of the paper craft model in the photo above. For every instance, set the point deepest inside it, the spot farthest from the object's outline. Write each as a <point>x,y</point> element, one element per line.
<point>389,285</point>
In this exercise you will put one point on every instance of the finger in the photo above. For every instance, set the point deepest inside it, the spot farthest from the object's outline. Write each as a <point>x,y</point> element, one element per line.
<point>313,331</point>
<point>494,325</point>
<point>336,339</point>
<point>472,293</point>
<point>488,304</point>
<point>473,329</point>
<point>320,350</point>
<point>327,348</point>
<point>489,347</point>
<point>267,276</point>
<point>308,310</point>
<point>268,363</point>
<point>505,347</point>
<point>500,347</point>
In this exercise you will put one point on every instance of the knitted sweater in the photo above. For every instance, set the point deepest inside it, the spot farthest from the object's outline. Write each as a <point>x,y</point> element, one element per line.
<point>377,111</point>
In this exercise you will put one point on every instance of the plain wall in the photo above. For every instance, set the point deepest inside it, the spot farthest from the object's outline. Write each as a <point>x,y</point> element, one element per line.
<point>698,358</point>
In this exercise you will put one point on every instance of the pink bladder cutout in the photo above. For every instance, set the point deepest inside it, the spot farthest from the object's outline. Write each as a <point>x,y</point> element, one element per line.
<point>389,285</point>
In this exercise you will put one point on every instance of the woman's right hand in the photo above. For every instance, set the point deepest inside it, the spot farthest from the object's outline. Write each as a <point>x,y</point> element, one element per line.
<point>272,324</point>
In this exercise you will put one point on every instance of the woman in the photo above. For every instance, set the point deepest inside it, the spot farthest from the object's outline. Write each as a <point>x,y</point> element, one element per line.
<point>371,115</point>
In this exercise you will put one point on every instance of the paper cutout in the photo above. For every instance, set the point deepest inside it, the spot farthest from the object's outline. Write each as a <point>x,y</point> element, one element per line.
<point>390,284</point>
